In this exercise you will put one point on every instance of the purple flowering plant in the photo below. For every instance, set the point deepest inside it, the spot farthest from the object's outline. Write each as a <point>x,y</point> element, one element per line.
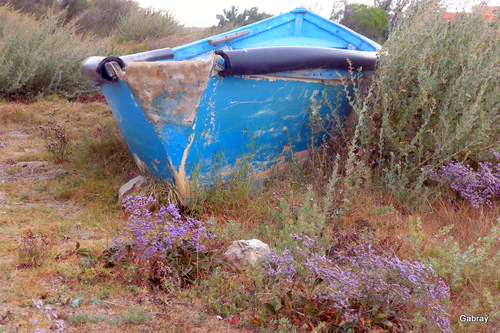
<point>33,249</point>
<point>56,140</point>
<point>361,289</point>
<point>162,242</point>
<point>479,187</point>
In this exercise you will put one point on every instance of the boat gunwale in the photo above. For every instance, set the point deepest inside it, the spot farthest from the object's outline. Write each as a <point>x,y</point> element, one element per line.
<point>93,68</point>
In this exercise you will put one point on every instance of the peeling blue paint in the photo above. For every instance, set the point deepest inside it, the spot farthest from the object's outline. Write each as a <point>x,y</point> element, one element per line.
<point>268,112</point>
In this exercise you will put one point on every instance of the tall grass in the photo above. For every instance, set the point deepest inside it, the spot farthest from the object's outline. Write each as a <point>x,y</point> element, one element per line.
<point>147,24</point>
<point>40,57</point>
<point>434,99</point>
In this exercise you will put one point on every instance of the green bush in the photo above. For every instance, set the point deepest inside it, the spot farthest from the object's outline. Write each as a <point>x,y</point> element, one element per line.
<point>147,24</point>
<point>102,17</point>
<point>434,99</point>
<point>36,7</point>
<point>40,57</point>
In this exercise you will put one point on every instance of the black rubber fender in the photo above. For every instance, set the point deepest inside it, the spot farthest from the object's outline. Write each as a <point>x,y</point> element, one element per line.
<point>267,60</point>
<point>93,68</point>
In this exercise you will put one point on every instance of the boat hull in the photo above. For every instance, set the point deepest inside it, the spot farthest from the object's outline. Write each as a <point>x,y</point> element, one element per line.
<point>204,107</point>
<point>259,120</point>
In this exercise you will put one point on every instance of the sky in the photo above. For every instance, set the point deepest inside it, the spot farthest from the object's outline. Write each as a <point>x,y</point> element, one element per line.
<point>201,13</point>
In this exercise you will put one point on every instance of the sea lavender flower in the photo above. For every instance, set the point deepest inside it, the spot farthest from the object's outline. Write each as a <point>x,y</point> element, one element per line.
<point>150,234</point>
<point>280,265</point>
<point>364,277</point>
<point>478,187</point>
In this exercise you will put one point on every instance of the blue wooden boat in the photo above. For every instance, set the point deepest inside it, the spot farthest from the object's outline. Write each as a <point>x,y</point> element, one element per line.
<point>250,91</point>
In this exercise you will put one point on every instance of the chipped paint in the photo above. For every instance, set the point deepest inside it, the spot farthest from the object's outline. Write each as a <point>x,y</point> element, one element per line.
<point>214,116</point>
<point>168,91</point>
<point>272,78</point>
<point>265,168</point>
<point>180,177</point>
<point>140,164</point>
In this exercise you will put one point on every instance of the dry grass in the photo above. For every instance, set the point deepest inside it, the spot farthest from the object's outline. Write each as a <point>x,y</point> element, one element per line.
<point>76,202</point>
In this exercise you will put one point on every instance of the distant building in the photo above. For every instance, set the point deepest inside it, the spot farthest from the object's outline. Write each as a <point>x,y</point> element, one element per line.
<point>491,12</point>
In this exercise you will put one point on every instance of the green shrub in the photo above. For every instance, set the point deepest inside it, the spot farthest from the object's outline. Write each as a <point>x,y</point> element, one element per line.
<point>453,264</point>
<point>434,99</point>
<point>99,17</point>
<point>40,57</point>
<point>470,272</point>
<point>147,24</point>
<point>36,7</point>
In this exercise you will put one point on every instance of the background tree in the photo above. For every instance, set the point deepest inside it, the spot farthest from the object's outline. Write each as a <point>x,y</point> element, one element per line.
<point>392,9</point>
<point>338,10</point>
<point>369,21</point>
<point>231,19</point>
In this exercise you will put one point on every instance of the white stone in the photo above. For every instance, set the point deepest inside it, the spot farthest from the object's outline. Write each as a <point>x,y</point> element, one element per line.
<point>248,251</point>
<point>132,185</point>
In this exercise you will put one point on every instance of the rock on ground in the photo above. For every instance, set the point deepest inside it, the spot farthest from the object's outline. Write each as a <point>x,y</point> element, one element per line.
<point>247,251</point>
<point>132,185</point>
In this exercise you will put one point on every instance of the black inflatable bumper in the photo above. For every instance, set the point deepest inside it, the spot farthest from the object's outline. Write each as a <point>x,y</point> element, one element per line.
<point>93,68</point>
<point>266,60</point>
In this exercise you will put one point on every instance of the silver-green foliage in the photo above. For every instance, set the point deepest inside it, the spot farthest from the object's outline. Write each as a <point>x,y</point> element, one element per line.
<point>147,23</point>
<point>474,267</point>
<point>435,96</point>
<point>457,266</point>
<point>42,56</point>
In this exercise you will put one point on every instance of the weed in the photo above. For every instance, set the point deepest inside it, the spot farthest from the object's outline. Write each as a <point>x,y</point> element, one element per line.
<point>450,262</point>
<point>13,170</point>
<point>219,190</point>
<point>162,247</point>
<point>307,213</point>
<point>104,148</point>
<point>24,196</point>
<point>471,273</point>
<point>33,249</point>
<point>163,191</point>
<point>81,318</point>
<point>227,292</point>
<point>135,316</point>
<point>56,140</point>
<point>42,188</point>
<point>17,114</point>
<point>281,325</point>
